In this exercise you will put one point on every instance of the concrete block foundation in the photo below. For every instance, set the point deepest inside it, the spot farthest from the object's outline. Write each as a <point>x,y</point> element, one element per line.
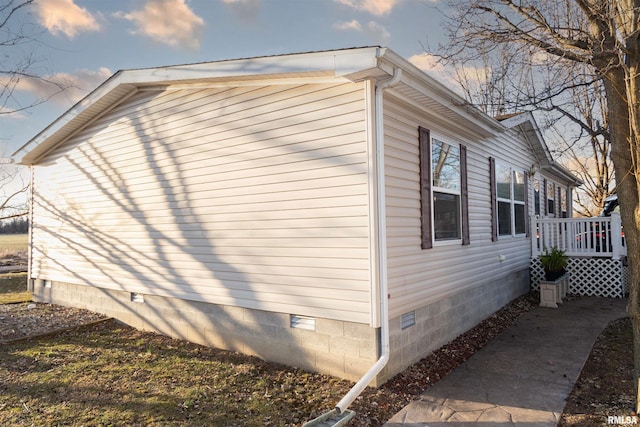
<point>343,349</point>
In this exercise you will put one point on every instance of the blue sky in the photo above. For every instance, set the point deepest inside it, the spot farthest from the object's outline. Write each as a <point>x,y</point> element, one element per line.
<point>81,43</point>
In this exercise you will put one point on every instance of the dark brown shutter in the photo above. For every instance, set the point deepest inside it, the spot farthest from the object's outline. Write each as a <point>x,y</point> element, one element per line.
<point>464,192</point>
<point>526,204</point>
<point>494,199</point>
<point>424,139</point>
<point>545,212</point>
<point>559,203</point>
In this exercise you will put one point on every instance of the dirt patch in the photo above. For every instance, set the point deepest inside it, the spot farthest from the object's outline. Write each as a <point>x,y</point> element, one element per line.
<point>605,386</point>
<point>32,319</point>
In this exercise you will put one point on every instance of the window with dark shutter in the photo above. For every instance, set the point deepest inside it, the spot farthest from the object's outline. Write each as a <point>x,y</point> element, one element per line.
<point>443,191</point>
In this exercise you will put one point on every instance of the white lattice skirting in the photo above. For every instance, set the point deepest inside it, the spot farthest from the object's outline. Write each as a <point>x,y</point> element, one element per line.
<point>604,277</point>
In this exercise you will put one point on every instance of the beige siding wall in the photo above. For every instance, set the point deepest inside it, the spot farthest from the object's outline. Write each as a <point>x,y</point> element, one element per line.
<point>420,277</point>
<point>253,197</point>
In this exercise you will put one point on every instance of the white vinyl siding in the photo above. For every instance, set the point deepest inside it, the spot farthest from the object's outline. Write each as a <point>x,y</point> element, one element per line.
<point>420,277</point>
<point>253,197</point>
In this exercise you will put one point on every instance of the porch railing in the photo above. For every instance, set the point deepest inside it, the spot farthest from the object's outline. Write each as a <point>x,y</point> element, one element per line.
<point>579,237</point>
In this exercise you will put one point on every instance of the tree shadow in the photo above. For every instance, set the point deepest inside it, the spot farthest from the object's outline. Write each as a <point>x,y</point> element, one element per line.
<point>147,225</point>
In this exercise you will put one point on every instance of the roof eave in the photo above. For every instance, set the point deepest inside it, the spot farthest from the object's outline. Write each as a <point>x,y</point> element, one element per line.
<point>350,64</point>
<point>347,63</point>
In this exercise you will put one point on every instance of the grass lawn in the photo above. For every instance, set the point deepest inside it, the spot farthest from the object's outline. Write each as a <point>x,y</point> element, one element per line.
<point>14,242</point>
<point>13,288</point>
<point>110,374</point>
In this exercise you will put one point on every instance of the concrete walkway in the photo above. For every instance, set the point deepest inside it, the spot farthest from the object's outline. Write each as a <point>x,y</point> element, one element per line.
<point>524,376</point>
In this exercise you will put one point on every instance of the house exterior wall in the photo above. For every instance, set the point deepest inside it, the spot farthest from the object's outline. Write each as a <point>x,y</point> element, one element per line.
<point>215,212</point>
<point>450,287</point>
<point>254,197</point>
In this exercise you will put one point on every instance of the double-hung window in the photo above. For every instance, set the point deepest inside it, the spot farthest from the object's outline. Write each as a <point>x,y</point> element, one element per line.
<point>445,171</point>
<point>511,200</point>
<point>443,177</point>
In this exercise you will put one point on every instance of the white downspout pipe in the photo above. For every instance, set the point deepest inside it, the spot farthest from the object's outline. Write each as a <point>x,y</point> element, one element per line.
<point>382,250</point>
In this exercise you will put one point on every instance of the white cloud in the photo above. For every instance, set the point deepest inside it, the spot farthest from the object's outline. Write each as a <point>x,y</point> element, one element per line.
<point>430,65</point>
<point>246,11</point>
<point>63,88</point>
<point>64,16</point>
<point>426,62</point>
<point>378,32</point>
<point>473,77</point>
<point>351,25</point>
<point>171,22</point>
<point>375,7</point>
<point>373,30</point>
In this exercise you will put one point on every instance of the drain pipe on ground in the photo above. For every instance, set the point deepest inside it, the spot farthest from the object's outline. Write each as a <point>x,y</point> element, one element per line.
<point>340,415</point>
<point>382,233</point>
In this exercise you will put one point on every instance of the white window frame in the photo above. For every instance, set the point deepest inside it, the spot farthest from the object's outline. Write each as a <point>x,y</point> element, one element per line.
<point>435,189</point>
<point>511,200</point>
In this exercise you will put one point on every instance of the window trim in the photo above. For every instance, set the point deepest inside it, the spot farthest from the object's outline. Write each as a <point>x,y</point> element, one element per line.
<point>495,218</point>
<point>426,189</point>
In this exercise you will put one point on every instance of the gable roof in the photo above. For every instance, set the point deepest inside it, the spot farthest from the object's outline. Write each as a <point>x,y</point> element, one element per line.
<point>355,64</point>
<point>526,125</point>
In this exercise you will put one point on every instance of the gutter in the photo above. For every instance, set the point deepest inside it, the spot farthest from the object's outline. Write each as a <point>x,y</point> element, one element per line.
<point>382,234</point>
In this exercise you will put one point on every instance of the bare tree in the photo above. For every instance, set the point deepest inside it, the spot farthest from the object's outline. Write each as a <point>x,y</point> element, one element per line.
<point>500,86</point>
<point>599,37</point>
<point>19,63</point>
<point>588,151</point>
<point>12,191</point>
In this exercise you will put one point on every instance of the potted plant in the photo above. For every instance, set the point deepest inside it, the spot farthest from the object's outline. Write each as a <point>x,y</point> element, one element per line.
<point>554,263</point>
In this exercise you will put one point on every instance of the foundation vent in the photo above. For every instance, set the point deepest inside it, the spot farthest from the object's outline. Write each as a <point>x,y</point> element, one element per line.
<point>408,319</point>
<point>303,322</point>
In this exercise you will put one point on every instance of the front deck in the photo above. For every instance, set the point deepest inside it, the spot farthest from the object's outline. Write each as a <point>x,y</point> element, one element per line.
<point>596,251</point>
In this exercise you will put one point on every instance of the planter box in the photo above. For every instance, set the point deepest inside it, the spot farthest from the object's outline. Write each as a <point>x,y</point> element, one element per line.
<point>552,292</point>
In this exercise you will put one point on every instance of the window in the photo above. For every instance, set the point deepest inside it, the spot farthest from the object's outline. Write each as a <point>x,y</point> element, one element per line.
<point>443,178</point>
<point>511,200</point>
<point>550,198</point>
<point>536,197</point>
<point>503,181</point>
<point>445,169</point>
<point>563,202</point>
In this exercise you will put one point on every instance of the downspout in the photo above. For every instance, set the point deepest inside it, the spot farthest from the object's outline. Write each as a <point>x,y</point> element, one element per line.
<point>382,250</point>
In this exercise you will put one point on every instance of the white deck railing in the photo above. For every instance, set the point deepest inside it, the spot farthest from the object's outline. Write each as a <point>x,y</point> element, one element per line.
<point>588,237</point>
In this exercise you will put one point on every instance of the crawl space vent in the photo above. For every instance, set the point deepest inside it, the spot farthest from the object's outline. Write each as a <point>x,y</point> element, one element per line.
<point>303,322</point>
<point>408,319</point>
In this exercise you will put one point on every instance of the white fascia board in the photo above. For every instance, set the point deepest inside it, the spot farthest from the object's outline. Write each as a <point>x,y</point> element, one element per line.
<point>339,63</point>
<point>111,92</point>
<point>526,124</point>
<point>561,173</point>
<point>330,63</point>
<point>432,88</point>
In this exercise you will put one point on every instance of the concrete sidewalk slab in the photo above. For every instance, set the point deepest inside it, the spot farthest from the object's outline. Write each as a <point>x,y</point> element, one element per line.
<point>524,376</point>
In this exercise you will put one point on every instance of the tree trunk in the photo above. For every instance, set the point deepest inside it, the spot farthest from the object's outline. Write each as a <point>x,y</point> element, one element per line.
<point>624,153</point>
